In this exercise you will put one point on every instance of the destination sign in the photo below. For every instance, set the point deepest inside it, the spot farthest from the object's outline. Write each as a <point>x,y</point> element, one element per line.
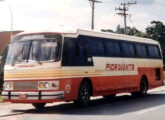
<point>35,37</point>
<point>29,37</point>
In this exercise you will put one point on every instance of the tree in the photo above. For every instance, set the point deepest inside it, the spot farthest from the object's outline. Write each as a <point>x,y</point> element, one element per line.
<point>156,31</point>
<point>107,30</point>
<point>119,30</point>
<point>131,31</point>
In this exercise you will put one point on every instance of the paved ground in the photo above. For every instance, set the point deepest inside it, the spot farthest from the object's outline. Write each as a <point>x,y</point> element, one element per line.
<point>123,107</point>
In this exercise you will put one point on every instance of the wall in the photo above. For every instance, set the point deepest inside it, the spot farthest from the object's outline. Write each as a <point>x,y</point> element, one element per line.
<point>5,38</point>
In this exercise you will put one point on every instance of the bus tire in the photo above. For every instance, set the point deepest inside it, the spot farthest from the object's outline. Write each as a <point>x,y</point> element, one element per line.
<point>84,94</point>
<point>39,106</point>
<point>143,89</point>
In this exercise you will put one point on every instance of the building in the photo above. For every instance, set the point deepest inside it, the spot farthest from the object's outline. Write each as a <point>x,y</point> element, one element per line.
<point>5,38</point>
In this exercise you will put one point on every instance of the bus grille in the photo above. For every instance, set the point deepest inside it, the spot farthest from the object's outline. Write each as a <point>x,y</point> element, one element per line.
<point>26,85</point>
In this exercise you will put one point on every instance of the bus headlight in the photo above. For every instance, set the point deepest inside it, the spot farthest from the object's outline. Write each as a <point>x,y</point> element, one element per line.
<point>41,85</point>
<point>48,85</point>
<point>8,86</point>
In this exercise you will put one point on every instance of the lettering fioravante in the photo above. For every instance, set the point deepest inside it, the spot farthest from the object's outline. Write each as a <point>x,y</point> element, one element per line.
<point>120,67</point>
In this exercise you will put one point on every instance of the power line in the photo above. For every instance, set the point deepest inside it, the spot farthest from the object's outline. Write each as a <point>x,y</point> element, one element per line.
<point>123,12</point>
<point>92,3</point>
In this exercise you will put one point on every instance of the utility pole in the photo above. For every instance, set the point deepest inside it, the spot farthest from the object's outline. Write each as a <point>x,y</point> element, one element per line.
<point>123,12</point>
<point>92,3</point>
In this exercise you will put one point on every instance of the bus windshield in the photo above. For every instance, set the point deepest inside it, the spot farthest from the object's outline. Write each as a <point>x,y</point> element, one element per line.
<point>34,50</point>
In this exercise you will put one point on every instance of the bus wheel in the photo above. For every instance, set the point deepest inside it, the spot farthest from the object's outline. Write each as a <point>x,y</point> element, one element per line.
<point>39,106</point>
<point>110,97</point>
<point>143,89</point>
<point>84,94</point>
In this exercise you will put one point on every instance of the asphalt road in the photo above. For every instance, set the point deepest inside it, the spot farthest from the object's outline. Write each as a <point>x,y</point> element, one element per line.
<point>123,107</point>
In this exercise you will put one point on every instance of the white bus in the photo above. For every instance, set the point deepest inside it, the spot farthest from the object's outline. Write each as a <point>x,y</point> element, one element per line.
<point>46,67</point>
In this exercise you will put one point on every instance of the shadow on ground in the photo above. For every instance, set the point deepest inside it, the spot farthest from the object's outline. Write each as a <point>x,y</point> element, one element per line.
<point>120,105</point>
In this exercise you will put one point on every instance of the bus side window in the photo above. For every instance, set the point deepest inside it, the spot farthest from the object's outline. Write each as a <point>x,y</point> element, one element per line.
<point>153,51</point>
<point>125,49</point>
<point>132,50</point>
<point>141,50</point>
<point>112,48</point>
<point>117,49</point>
<point>95,47</point>
<point>128,49</point>
<point>70,53</point>
<point>157,52</point>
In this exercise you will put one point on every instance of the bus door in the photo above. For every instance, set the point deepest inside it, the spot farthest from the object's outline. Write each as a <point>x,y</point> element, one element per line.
<point>93,59</point>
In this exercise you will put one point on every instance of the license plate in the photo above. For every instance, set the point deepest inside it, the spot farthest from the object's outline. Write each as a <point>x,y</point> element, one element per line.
<point>23,96</point>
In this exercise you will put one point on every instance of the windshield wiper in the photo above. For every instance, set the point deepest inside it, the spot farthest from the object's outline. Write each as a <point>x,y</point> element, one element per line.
<point>30,47</point>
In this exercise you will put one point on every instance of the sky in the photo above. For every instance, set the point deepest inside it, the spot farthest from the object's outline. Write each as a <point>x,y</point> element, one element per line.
<point>49,14</point>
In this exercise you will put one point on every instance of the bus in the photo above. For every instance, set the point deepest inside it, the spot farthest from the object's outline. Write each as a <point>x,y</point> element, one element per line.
<point>46,67</point>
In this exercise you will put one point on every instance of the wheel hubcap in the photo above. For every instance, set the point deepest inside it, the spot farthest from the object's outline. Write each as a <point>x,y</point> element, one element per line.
<point>84,94</point>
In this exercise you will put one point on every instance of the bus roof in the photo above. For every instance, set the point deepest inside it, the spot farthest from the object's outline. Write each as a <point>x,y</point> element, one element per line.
<point>76,32</point>
<point>111,36</point>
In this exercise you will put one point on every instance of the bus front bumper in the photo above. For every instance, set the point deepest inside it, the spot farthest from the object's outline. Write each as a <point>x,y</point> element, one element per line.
<point>40,96</point>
